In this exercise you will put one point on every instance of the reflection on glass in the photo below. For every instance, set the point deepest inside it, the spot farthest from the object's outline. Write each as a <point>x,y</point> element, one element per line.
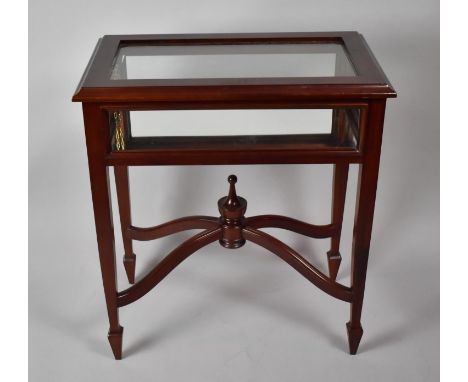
<point>162,129</point>
<point>231,61</point>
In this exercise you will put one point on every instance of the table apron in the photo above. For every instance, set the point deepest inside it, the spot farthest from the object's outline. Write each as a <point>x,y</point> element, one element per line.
<point>204,157</point>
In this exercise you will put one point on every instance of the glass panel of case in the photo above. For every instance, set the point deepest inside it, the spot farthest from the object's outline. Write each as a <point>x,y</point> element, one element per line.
<point>231,61</point>
<point>162,129</point>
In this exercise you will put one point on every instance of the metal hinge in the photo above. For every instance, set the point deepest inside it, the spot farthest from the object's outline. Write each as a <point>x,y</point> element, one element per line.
<point>119,131</point>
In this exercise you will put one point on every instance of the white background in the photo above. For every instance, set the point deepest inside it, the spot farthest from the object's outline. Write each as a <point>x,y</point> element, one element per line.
<point>239,315</point>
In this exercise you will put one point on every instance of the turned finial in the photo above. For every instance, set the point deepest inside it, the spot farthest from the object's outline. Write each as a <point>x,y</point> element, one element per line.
<point>232,200</point>
<point>232,206</point>
<point>232,209</point>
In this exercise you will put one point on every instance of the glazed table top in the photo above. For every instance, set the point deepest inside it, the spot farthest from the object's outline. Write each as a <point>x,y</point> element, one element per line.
<point>232,68</point>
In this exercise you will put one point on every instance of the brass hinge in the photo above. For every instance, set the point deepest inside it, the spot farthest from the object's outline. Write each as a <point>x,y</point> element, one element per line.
<point>119,131</point>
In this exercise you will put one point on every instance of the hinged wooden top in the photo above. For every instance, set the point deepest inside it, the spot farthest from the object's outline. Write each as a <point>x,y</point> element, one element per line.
<point>228,68</point>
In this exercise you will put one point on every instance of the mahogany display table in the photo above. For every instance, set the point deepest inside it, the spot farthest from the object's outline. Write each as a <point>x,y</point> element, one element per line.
<point>329,75</point>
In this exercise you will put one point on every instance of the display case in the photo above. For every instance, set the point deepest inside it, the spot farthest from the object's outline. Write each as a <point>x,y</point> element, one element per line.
<point>210,99</point>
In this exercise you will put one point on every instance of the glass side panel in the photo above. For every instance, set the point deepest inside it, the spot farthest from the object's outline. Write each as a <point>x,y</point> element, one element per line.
<point>160,129</point>
<point>231,61</point>
<point>230,122</point>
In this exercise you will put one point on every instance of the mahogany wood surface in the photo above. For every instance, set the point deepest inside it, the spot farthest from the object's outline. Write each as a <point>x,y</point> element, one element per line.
<point>97,141</point>
<point>359,107</point>
<point>301,265</point>
<point>294,225</point>
<point>364,216</point>
<point>167,265</point>
<point>174,226</point>
<point>123,197</point>
<point>340,178</point>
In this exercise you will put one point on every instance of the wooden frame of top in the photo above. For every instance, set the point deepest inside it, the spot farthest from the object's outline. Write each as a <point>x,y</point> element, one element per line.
<point>369,81</point>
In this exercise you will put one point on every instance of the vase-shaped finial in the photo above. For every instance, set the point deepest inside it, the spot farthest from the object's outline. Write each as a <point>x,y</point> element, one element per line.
<point>232,201</point>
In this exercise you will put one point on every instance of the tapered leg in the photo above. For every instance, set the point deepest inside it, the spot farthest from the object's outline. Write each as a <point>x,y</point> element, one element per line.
<point>340,181</point>
<point>97,142</point>
<point>367,187</point>
<point>123,198</point>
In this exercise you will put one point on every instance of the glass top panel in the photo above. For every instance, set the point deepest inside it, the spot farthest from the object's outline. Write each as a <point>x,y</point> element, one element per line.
<point>231,61</point>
